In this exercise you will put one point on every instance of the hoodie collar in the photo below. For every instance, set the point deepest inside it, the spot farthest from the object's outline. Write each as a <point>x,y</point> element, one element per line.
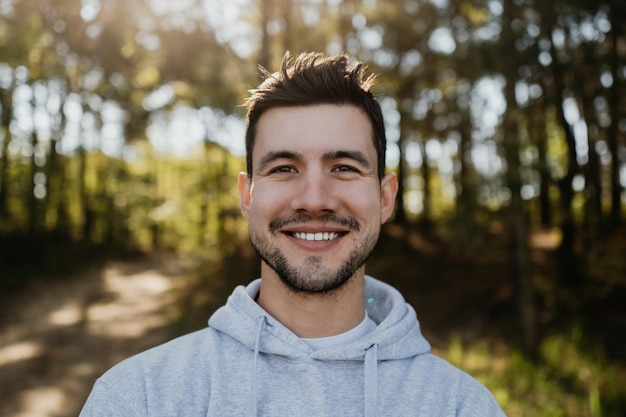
<point>397,335</point>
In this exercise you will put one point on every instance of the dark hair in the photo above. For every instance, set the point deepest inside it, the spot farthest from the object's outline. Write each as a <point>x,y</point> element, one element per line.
<point>315,79</point>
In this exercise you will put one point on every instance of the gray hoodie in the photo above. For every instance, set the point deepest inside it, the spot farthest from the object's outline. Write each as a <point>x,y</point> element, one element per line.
<point>248,364</point>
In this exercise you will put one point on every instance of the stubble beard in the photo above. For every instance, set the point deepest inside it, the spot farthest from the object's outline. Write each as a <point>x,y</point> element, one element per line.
<point>313,276</point>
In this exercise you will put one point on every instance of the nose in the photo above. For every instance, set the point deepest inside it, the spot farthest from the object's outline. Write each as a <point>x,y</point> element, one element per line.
<point>314,194</point>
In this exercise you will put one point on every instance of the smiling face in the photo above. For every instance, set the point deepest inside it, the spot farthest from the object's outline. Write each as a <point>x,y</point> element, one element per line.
<point>315,203</point>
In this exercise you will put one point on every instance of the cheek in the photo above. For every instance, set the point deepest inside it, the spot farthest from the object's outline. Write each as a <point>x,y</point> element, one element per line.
<point>266,201</point>
<point>362,203</point>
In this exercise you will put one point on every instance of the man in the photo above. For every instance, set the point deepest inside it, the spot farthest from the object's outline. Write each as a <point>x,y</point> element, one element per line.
<point>313,336</point>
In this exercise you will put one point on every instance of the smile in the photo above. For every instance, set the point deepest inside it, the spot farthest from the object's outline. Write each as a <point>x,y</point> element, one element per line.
<point>316,236</point>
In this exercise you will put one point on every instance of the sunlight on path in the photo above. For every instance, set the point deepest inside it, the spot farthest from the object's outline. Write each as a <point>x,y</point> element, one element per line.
<point>136,307</point>
<point>61,335</point>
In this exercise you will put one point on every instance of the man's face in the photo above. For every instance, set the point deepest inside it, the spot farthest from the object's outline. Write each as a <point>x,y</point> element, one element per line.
<point>315,204</point>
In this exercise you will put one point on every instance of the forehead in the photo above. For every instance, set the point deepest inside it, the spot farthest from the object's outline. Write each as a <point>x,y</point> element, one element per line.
<point>317,128</point>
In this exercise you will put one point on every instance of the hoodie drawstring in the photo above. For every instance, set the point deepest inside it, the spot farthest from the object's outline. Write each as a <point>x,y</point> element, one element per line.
<point>370,376</point>
<point>257,344</point>
<point>371,381</point>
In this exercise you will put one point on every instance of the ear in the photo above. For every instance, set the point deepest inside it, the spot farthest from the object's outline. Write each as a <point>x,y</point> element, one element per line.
<point>388,191</point>
<point>243,186</point>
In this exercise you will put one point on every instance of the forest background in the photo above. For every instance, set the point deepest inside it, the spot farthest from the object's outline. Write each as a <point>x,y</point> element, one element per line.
<point>122,132</point>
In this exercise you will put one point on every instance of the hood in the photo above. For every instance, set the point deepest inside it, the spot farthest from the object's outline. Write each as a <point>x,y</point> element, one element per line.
<point>397,336</point>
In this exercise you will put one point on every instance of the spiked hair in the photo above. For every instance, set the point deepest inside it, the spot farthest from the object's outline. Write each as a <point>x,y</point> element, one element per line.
<point>315,79</point>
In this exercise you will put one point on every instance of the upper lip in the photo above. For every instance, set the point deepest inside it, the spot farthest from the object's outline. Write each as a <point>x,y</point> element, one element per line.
<point>314,229</point>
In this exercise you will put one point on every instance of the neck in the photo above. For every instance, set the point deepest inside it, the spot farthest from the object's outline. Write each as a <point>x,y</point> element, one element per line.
<point>312,315</point>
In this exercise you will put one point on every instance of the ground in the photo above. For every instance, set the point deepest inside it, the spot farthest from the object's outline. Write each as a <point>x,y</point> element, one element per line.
<point>57,336</point>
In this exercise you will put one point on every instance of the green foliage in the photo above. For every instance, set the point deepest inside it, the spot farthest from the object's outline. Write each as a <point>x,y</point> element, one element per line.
<point>606,257</point>
<point>570,378</point>
<point>470,233</point>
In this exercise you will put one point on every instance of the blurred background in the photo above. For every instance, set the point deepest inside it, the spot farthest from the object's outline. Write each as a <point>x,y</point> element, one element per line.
<point>122,134</point>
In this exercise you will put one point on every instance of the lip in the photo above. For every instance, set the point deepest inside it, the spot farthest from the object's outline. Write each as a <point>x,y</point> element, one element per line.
<point>315,244</point>
<point>293,233</point>
<point>314,229</point>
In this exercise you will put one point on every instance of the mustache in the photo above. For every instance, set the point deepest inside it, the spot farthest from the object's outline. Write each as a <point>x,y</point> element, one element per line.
<point>299,218</point>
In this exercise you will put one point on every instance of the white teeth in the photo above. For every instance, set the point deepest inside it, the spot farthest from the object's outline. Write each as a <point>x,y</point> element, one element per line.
<point>316,236</point>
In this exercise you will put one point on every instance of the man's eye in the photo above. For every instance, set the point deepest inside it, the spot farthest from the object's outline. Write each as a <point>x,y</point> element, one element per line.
<point>283,170</point>
<point>345,168</point>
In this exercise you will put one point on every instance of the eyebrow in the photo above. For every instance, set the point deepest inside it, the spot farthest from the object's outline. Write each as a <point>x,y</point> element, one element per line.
<point>357,156</point>
<point>270,157</point>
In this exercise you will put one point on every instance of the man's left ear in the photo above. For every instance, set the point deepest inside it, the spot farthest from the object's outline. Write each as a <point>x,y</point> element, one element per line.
<point>388,191</point>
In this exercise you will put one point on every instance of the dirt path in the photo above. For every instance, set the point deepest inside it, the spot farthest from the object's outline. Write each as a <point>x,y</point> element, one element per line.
<point>57,337</point>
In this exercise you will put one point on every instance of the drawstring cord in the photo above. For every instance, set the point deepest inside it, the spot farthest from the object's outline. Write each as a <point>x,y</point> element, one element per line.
<point>370,376</point>
<point>253,409</point>
<point>371,381</point>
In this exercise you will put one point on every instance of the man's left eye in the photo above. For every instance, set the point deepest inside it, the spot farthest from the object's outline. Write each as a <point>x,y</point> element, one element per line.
<point>283,170</point>
<point>345,168</point>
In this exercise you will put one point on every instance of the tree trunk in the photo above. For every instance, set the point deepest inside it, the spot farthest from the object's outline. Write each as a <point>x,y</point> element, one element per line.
<point>545,205</point>
<point>286,9</point>
<point>425,220</point>
<point>613,133</point>
<point>593,220</point>
<point>565,184</point>
<point>55,172</point>
<point>465,192</point>
<point>346,12</point>
<point>87,214</point>
<point>32,206</point>
<point>265,54</point>
<point>400,214</point>
<point>6,103</point>
<point>518,228</point>
<point>205,195</point>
